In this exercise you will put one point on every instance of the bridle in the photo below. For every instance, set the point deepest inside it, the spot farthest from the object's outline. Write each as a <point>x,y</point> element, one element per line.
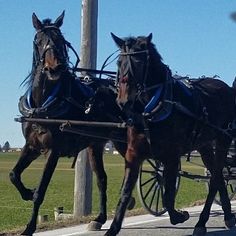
<point>141,85</point>
<point>50,45</point>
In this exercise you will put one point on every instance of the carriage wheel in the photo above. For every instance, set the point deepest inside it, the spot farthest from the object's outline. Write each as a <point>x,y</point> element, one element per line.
<point>230,182</point>
<point>151,186</point>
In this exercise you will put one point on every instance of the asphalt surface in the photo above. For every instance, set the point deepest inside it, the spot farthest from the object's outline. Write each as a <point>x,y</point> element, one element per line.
<point>148,225</point>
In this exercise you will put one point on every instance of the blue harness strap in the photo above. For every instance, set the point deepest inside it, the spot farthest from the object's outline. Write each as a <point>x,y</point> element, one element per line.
<point>84,89</point>
<point>154,100</point>
<point>161,104</point>
<point>48,100</point>
<point>53,95</point>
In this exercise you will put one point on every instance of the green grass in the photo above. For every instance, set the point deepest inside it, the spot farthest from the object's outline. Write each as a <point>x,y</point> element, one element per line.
<point>15,212</point>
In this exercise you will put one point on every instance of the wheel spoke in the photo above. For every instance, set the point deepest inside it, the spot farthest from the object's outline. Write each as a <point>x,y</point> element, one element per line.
<point>152,164</point>
<point>153,195</point>
<point>158,197</point>
<point>148,181</point>
<point>231,188</point>
<point>148,171</point>
<point>149,190</point>
<point>150,186</point>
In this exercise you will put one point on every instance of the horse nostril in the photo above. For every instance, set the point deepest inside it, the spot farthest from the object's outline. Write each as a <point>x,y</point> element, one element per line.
<point>46,69</point>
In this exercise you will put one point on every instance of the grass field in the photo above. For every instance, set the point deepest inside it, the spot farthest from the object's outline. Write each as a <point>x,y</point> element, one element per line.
<point>15,213</point>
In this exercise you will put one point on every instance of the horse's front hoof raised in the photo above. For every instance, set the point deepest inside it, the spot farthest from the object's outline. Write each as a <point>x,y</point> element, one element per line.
<point>199,231</point>
<point>28,194</point>
<point>179,217</point>
<point>94,226</point>
<point>230,223</point>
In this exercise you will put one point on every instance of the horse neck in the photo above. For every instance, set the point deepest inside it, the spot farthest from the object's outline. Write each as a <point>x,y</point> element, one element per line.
<point>42,88</point>
<point>37,90</point>
<point>157,74</point>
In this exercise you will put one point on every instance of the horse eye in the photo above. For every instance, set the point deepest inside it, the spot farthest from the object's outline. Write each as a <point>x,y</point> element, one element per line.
<point>38,42</point>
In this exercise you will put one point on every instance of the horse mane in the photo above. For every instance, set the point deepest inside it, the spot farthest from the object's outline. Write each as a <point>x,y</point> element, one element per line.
<point>157,59</point>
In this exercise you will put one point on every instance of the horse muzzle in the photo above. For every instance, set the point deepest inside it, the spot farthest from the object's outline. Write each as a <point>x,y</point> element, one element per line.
<point>54,73</point>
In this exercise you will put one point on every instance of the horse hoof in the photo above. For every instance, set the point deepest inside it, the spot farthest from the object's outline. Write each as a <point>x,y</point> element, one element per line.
<point>199,231</point>
<point>94,226</point>
<point>230,223</point>
<point>26,233</point>
<point>29,230</point>
<point>109,233</point>
<point>113,231</point>
<point>186,215</point>
<point>179,217</point>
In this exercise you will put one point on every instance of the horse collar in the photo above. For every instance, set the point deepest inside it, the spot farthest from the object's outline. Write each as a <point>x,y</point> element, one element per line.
<point>158,108</point>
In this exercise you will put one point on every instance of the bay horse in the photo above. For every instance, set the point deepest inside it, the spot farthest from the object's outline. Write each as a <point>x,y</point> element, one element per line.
<point>168,118</point>
<point>55,92</point>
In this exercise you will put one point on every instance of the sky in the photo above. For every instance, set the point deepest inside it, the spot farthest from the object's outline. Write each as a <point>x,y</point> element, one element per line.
<point>194,37</point>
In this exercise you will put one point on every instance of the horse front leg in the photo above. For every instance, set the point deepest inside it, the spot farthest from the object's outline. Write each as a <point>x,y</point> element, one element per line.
<point>170,176</point>
<point>137,148</point>
<point>27,156</point>
<point>131,175</point>
<point>39,193</point>
<point>96,163</point>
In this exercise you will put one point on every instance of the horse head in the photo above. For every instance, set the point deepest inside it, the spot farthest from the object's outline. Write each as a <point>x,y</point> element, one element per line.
<point>50,47</point>
<point>50,77</point>
<point>50,59</point>
<point>140,67</point>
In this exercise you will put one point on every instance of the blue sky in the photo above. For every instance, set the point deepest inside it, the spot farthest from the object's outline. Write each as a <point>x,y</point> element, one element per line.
<point>194,37</point>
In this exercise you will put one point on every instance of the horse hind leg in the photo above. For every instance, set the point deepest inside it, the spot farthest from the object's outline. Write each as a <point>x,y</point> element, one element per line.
<point>96,163</point>
<point>214,164</point>
<point>229,218</point>
<point>25,159</point>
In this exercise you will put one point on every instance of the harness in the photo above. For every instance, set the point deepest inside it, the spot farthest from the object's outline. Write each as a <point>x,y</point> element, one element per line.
<point>56,105</point>
<point>162,103</point>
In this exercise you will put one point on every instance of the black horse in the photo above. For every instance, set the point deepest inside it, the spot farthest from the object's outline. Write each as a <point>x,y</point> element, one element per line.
<point>168,118</point>
<point>55,92</point>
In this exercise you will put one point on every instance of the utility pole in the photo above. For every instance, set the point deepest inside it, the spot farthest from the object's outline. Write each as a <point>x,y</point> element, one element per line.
<point>88,59</point>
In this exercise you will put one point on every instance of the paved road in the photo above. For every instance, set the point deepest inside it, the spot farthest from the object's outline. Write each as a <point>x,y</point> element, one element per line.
<point>147,225</point>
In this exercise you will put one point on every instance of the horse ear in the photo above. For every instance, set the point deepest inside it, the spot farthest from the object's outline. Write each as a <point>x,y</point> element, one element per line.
<point>149,38</point>
<point>119,42</point>
<point>36,22</point>
<point>59,21</point>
